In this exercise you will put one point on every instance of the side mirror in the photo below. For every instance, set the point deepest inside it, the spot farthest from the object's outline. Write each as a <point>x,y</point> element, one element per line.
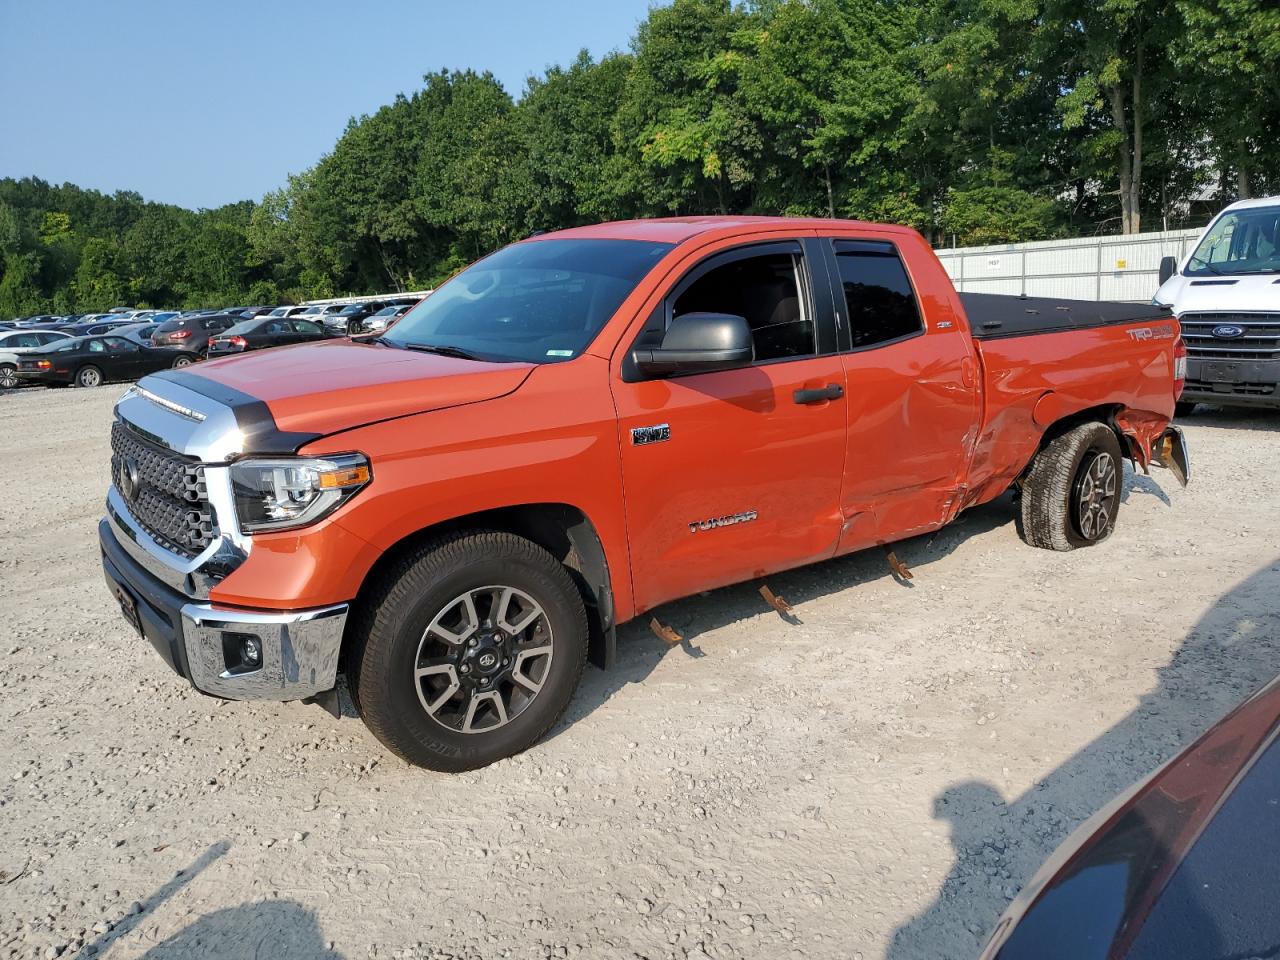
<point>698,343</point>
<point>1168,267</point>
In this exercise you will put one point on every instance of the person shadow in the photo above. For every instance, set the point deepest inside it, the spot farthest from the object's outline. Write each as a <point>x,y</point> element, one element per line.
<point>998,844</point>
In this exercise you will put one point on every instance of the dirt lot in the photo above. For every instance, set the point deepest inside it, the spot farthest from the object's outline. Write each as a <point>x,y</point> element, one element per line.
<point>874,781</point>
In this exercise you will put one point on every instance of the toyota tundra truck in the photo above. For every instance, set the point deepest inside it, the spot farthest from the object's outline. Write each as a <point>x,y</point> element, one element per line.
<point>456,514</point>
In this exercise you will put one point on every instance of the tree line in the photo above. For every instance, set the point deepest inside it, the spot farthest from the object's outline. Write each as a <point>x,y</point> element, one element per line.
<point>975,121</point>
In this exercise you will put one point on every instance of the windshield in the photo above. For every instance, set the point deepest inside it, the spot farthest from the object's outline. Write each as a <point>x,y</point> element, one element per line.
<point>541,301</point>
<point>353,308</point>
<point>386,312</point>
<point>1243,241</point>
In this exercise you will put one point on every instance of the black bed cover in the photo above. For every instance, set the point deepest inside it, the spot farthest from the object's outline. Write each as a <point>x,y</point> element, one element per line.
<point>993,315</point>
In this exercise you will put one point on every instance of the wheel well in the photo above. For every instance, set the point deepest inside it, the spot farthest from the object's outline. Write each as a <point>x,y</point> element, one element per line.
<point>562,530</point>
<point>1103,413</point>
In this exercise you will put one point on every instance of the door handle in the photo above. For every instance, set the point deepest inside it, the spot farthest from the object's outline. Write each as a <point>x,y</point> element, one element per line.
<point>832,391</point>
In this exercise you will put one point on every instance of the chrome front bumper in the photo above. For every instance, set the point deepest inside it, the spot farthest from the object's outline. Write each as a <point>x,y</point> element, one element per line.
<point>202,642</point>
<point>299,651</point>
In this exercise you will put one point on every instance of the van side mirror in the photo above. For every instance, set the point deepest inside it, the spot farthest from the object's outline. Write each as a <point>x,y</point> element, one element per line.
<point>698,343</point>
<point>1168,267</point>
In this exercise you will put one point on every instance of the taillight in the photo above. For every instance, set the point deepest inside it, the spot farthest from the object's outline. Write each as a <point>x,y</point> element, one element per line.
<point>238,341</point>
<point>1179,366</point>
<point>44,364</point>
<point>179,334</point>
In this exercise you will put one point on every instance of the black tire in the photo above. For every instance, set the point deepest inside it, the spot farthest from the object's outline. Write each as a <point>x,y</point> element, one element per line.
<point>392,625</point>
<point>1067,472</point>
<point>8,376</point>
<point>89,376</point>
<point>1184,408</point>
<point>181,361</point>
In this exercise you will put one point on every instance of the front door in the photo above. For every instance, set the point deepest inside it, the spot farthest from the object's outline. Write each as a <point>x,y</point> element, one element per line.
<point>736,473</point>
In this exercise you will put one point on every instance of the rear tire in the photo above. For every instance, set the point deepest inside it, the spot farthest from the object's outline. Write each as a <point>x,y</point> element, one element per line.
<point>1184,408</point>
<point>180,362</point>
<point>89,376</point>
<point>1071,495</point>
<point>409,684</point>
<point>8,376</point>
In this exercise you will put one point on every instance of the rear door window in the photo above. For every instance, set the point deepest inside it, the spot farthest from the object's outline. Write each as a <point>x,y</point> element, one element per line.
<point>879,300</point>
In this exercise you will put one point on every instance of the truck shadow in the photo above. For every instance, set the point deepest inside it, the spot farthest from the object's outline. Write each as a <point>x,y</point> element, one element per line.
<point>640,651</point>
<point>1233,418</point>
<point>998,844</point>
<point>274,929</point>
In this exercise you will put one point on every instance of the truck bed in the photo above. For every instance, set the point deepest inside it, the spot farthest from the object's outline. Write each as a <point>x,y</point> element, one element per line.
<point>993,315</point>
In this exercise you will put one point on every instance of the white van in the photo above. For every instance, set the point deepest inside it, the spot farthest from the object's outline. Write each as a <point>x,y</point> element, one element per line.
<point>1226,293</point>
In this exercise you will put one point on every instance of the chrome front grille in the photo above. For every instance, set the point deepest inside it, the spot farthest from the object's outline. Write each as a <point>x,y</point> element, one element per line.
<point>1260,340</point>
<point>165,492</point>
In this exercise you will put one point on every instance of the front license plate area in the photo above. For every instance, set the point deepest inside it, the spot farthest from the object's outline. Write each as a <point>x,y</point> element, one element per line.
<point>129,607</point>
<point>1219,371</point>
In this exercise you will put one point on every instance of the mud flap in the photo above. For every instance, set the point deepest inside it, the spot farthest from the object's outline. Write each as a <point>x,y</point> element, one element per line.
<point>1170,451</point>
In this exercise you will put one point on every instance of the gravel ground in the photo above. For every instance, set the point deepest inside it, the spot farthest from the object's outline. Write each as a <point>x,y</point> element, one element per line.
<point>874,780</point>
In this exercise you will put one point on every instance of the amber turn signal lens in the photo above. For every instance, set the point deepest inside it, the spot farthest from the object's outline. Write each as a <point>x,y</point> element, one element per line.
<point>346,477</point>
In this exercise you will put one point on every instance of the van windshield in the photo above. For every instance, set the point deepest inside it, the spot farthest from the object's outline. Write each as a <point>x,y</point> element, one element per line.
<point>1243,241</point>
<point>540,301</point>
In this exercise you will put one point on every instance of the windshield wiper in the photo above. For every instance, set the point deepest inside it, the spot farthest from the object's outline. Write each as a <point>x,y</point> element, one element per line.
<point>1207,265</point>
<point>443,350</point>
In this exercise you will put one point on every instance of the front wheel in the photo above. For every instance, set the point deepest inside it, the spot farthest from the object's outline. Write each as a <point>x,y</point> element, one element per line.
<point>354,327</point>
<point>1071,495</point>
<point>8,376</point>
<point>180,362</point>
<point>468,651</point>
<point>89,376</point>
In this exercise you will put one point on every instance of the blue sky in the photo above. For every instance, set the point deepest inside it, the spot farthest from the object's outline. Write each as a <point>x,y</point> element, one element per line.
<point>202,102</point>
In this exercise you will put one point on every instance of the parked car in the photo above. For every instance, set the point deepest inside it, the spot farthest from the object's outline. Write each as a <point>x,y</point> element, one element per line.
<point>248,313</point>
<point>139,333</point>
<point>1185,864</point>
<point>448,496</point>
<point>91,361</point>
<point>324,314</point>
<point>192,333</point>
<point>385,318</point>
<point>93,327</point>
<point>350,319</point>
<point>1226,295</point>
<point>14,344</point>
<point>266,332</point>
<point>39,322</point>
<point>287,311</point>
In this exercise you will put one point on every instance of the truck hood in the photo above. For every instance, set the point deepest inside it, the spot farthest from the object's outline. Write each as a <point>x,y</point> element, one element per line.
<point>1252,293</point>
<point>286,396</point>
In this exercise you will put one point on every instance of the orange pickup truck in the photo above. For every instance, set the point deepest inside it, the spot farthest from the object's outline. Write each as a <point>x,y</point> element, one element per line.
<point>584,425</point>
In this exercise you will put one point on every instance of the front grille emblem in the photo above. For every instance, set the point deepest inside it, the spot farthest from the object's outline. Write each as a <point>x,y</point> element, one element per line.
<point>128,477</point>
<point>1227,331</point>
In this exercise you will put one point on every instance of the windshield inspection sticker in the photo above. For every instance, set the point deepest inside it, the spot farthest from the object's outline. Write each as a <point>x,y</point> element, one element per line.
<point>559,353</point>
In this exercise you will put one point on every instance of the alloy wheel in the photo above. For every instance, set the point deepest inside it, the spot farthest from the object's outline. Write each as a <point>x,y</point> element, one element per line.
<point>1096,489</point>
<point>483,659</point>
<point>8,377</point>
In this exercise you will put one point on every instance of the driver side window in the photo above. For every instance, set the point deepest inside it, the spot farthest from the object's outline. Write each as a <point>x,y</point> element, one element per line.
<point>764,289</point>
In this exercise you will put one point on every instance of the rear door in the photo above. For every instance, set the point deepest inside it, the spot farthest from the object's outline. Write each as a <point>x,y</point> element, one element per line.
<point>735,473</point>
<point>912,399</point>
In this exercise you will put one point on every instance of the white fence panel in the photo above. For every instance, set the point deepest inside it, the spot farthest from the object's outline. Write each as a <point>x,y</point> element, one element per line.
<point>1085,268</point>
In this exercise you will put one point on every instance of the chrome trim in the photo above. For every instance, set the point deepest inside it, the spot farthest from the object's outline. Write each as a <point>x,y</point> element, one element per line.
<point>166,413</point>
<point>177,408</point>
<point>299,650</point>
<point>193,577</point>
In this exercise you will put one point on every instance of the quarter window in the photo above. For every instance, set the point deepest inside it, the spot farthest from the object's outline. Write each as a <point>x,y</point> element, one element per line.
<point>878,297</point>
<point>766,291</point>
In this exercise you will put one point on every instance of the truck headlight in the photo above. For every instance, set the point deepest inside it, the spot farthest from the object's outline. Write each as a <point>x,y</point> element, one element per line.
<point>286,492</point>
